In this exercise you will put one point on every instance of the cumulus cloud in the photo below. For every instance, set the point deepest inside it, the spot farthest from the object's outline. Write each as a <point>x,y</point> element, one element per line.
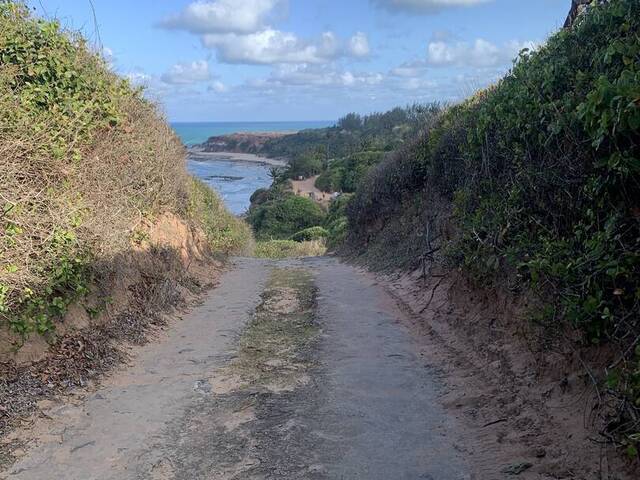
<point>480,53</point>
<point>409,69</point>
<point>138,79</point>
<point>309,75</point>
<point>239,32</point>
<point>187,73</point>
<point>272,46</point>
<point>109,57</point>
<point>217,87</point>
<point>359,45</point>
<point>425,6</point>
<point>418,84</point>
<point>222,16</point>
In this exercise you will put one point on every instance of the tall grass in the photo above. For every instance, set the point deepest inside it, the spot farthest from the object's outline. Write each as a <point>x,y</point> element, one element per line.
<point>225,232</point>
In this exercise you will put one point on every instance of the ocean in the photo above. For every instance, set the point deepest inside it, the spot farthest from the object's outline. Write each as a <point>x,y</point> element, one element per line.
<point>234,181</point>
<point>193,133</point>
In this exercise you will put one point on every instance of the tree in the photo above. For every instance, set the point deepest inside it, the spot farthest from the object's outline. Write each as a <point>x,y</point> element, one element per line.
<point>350,122</point>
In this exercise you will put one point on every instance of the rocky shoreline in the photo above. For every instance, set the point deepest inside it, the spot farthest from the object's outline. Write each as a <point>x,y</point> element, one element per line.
<point>200,155</point>
<point>243,142</point>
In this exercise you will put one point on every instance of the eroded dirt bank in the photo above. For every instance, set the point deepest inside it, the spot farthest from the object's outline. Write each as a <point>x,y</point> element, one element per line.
<point>528,406</point>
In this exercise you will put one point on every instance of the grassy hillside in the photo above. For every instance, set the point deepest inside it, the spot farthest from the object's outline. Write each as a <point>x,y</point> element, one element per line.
<point>87,165</point>
<point>534,183</point>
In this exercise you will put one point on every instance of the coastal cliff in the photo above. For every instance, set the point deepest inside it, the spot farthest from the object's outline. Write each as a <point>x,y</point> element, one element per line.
<point>240,142</point>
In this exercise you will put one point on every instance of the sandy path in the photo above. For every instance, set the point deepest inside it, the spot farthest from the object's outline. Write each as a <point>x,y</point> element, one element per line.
<point>314,380</point>
<point>116,431</point>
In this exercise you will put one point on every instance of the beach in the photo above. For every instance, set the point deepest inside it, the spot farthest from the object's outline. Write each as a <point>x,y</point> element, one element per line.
<point>199,155</point>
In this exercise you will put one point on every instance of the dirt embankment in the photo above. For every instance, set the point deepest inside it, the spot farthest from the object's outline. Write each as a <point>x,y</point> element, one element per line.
<point>133,294</point>
<point>240,142</point>
<point>530,402</point>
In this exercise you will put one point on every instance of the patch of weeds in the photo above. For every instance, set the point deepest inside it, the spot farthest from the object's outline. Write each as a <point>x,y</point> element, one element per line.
<point>37,310</point>
<point>274,348</point>
<point>289,248</point>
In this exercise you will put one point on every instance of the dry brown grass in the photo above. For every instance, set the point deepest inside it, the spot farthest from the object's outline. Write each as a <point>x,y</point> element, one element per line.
<point>131,174</point>
<point>125,176</point>
<point>86,166</point>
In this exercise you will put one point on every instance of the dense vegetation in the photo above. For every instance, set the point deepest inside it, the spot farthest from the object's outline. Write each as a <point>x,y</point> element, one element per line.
<point>86,164</point>
<point>534,182</point>
<point>354,133</point>
<point>283,215</point>
<point>289,248</point>
<point>344,174</point>
<point>341,155</point>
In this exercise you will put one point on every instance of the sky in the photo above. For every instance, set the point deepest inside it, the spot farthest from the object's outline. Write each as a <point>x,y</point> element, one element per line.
<point>271,60</point>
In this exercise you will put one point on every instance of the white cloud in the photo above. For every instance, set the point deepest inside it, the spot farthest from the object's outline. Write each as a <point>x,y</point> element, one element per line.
<point>272,46</point>
<point>154,88</point>
<point>217,87</point>
<point>425,6</point>
<point>138,79</point>
<point>187,73</point>
<point>409,69</point>
<point>109,57</point>
<point>239,32</point>
<point>480,53</point>
<point>309,75</point>
<point>359,45</point>
<point>418,84</point>
<point>222,16</point>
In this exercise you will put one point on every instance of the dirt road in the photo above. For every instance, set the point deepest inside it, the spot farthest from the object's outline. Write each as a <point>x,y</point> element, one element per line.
<point>289,370</point>
<point>307,188</point>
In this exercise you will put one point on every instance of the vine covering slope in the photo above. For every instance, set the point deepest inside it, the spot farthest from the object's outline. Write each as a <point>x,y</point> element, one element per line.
<point>87,164</point>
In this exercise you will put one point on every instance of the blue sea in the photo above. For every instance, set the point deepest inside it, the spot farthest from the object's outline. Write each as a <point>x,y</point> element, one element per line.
<point>193,133</point>
<point>234,181</point>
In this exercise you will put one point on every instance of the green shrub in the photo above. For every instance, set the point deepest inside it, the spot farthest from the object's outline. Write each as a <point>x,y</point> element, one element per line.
<point>330,180</point>
<point>261,195</point>
<point>345,174</point>
<point>56,99</point>
<point>225,232</point>
<point>306,164</point>
<point>282,217</point>
<point>544,170</point>
<point>542,173</point>
<point>289,249</point>
<point>311,233</point>
<point>336,221</point>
